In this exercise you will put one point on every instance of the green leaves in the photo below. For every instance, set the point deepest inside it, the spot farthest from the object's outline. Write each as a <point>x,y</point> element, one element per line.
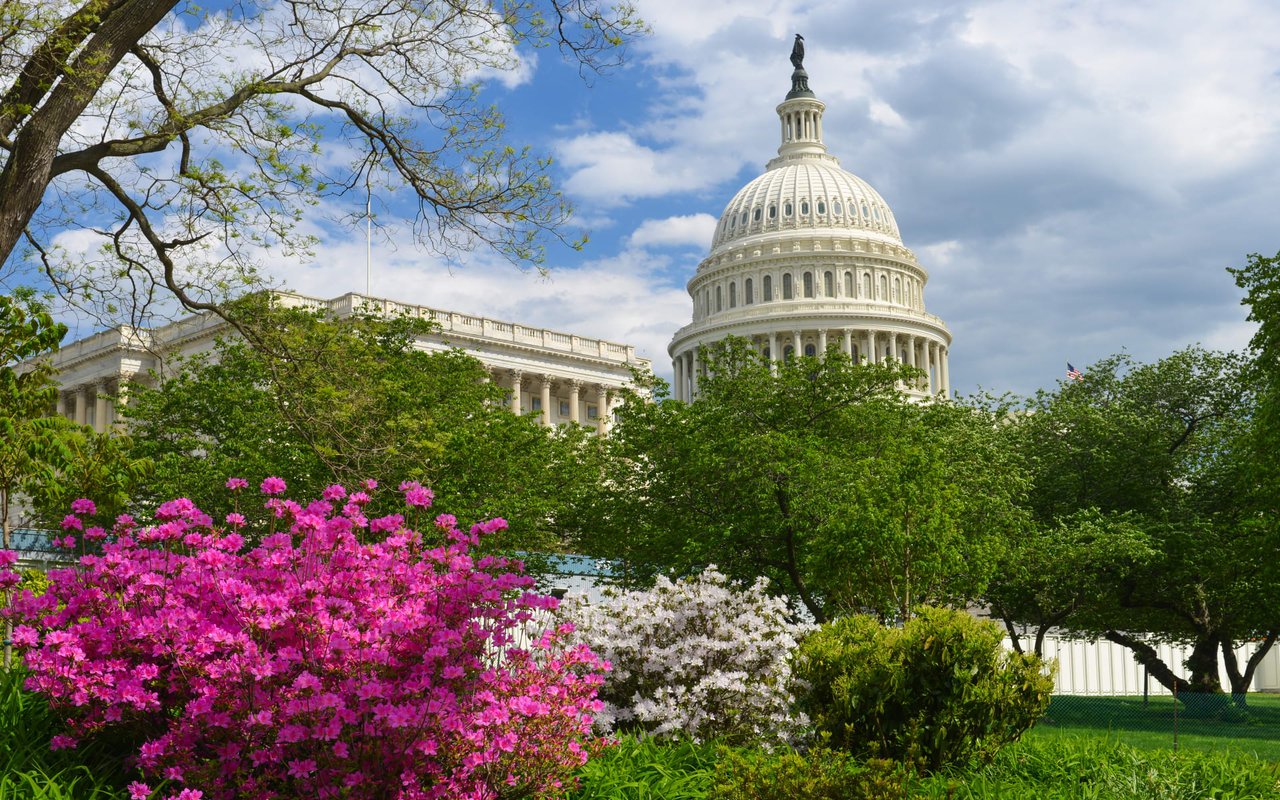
<point>821,477</point>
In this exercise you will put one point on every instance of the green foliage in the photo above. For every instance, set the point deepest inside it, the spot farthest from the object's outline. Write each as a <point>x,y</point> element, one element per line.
<point>1150,477</point>
<point>798,475</point>
<point>29,770</point>
<point>646,769</point>
<point>820,774</point>
<point>1105,769</point>
<point>940,690</point>
<point>319,400</point>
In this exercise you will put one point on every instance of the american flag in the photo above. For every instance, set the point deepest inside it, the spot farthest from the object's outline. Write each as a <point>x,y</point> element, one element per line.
<point>1073,373</point>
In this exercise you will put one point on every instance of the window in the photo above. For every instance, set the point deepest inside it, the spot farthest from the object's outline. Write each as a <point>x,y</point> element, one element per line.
<point>773,212</point>
<point>535,404</point>
<point>810,350</point>
<point>747,294</point>
<point>804,207</point>
<point>564,408</point>
<point>733,295</point>
<point>836,208</point>
<point>719,306</point>
<point>848,284</point>
<point>788,352</point>
<point>865,212</point>
<point>897,290</point>
<point>808,284</point>
<point>768,288</point>
<point>744,216</point>
<point>884,290</point>
<point>829,284</point>
<point>822,207</point>
<point>593,412</point>
<point>786,209</point>
<point>786,286</point>
<point>866,285</point>
<point>856,355</point>
<point>755,215</point>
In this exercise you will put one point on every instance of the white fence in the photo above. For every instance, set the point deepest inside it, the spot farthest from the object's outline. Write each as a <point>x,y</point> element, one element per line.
<point>1106,668</point>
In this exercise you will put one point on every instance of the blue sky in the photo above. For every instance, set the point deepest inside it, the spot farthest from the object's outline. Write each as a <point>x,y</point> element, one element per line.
<point>1076,176</point>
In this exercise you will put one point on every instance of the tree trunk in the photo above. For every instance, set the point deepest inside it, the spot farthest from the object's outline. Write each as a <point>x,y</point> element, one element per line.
<point>1202,663</point>
<point>1146,655</point>
<point>1241,681</point>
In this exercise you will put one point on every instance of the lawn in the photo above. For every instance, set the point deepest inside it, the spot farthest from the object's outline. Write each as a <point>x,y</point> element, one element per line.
<point>1159,724</point>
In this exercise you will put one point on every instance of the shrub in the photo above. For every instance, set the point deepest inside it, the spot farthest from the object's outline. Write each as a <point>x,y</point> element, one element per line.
<point>312,664</point>
<point>819,774</point>
<point>940,690</point>
<point>697,658</point>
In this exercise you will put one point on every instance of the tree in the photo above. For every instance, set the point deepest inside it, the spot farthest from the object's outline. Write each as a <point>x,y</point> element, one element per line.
<point>188,138</point>
<point>1166,447</point>
<point>29,435</point>
<point>340,400</point>
<point>822,478</point>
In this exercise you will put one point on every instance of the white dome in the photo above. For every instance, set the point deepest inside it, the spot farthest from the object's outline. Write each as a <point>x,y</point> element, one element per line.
<point>808,194</point>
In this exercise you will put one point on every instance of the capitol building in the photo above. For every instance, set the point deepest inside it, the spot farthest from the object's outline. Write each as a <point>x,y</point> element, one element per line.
<point>807,257</point>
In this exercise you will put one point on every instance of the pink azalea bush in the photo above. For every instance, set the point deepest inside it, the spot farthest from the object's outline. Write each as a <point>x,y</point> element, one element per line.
<point>312,664</point>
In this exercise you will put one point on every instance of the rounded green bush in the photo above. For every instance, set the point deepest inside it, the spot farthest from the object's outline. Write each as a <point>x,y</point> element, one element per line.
<point>939,690</point>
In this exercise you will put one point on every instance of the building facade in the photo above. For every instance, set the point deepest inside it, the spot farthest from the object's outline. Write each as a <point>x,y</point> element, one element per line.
<point>806,257</point>
<point>562,377</point>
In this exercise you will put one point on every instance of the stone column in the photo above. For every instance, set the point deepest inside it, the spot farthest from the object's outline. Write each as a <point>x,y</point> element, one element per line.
<point>693,375</point>
<point>928,367</point>
<point>848,342</point>
<point>121,401</point>
<point>797,345</point>
<point>602,407</point>
<point>546,400</point>
<point>774,355</point>
<point>944,357</point>
<point>911,351</point>
<point>822,341</point>
<point>516,377</point>
<point>574,415</point>
<point>60,407</point>
<point>100,408</point>
<point>869,346</point>
<point>82,405</point>
<point>677,380</point>
<point>893,345</point>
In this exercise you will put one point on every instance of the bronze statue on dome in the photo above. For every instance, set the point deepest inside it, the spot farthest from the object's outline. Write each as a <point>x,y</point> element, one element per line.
<point>797,52</point>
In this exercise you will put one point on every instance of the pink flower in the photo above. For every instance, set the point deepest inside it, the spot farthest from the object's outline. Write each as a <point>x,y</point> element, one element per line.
<point>235,520</point>
<point>302,767</point>
<point>273,485</point>
<point>139,791</point>
<point>95,534</point>
<point>71,521</point>
<point>83,506</point>
<point>8,558</point>
<point>359,498</point>
<point>66,543</point>
<point>419,497</point>
<point>370,485</point>
<point>334,492</point>
<point>236,484</point>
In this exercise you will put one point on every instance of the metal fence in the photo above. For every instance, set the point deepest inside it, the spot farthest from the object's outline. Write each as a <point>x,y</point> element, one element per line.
<point>1101,691</point>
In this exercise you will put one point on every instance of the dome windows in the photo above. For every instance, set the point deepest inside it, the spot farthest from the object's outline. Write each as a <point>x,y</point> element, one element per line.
<point>822,207</point>
<point>768,288</point>
<point>733,295</point>
<point>829,284</point>
<point>848,284</point>
<point>755,215</point>
<point>786,209</point>
<point>787,293</point>
<point>773,212</point>
<point>747,287</point>
<point>804,208</point>
<point>836,208</point>
<point>808,284</point>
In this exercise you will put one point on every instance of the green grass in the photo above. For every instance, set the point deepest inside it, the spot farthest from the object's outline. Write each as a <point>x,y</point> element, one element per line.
<point>1152,725</point>
<point>642,769</point>
<point>29,770</point>
<point>1096,769</point>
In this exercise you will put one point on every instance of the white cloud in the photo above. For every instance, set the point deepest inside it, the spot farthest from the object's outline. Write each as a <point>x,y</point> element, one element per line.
<point>612,168</point>
<point>689,230</point>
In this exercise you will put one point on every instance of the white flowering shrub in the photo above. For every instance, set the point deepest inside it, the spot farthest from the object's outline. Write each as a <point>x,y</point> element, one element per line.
<point>700,658</point>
